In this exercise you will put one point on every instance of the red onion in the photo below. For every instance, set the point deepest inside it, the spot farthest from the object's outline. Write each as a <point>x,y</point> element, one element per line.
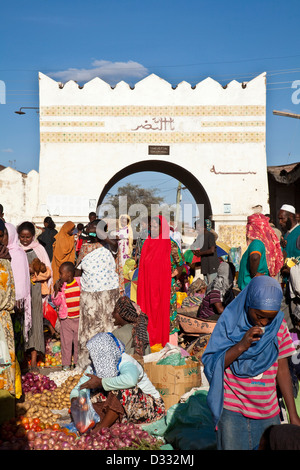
<point>65,445</point>
<point>51,442</point>
<point>30,435</point>
<point>37,441</point>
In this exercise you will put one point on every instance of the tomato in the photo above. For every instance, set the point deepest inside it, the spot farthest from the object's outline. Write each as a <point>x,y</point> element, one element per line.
<point>36,420</point>
<point>38,429</point>
<point>26,426</point>
<point>25,420</point>
<point>55,426</point>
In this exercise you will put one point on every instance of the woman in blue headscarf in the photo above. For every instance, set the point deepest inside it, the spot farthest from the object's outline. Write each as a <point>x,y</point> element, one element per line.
<point>245,359</point>
<point>120,389</point>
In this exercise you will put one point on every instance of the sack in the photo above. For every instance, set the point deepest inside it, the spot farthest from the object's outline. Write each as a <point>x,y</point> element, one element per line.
<point>83,413</point>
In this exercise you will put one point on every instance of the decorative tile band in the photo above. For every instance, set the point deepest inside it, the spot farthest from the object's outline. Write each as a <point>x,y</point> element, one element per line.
<point>72,123</point>
<point>233,123</point>
<point>152,138</point>
<point>247,110</point>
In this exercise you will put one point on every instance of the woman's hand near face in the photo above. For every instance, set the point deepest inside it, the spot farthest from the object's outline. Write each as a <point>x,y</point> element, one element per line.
<point>251,336</point>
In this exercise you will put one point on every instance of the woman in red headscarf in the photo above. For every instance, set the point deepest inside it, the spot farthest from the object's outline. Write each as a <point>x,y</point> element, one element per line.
<point>259,228</point>
<point>160,263</point>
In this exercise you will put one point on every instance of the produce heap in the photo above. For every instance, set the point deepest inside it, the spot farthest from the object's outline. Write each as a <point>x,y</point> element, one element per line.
<point>37,426</point>
<point>118,437</point>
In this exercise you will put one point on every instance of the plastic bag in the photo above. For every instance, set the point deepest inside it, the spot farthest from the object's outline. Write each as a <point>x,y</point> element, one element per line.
<point>5,359</point>
<point>174,359</point>
<point>187,426</point>
<point>83,413</point>
<point>49,313</point>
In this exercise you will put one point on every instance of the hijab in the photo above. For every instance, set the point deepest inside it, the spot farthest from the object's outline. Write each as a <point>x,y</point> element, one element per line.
<point>63,248</point>
<point>42,255</point>
<point>106,354</point>
<point>258,227</point>
<point>263,293</point>
<point>154,283</point>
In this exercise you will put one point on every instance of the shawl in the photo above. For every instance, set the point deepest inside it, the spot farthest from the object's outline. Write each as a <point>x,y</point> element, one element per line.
<point>63,248</point>
<point>42,255</point>
<point>106,354</point>
<point>258,227</point>
<point>263,293</point>
<point>223,282</point>
<point>131,313</point>
<point>20,269</point>
<point>154,284</point>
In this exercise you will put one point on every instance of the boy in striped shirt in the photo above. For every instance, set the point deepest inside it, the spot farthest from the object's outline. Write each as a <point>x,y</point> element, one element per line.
<point>67,299</point>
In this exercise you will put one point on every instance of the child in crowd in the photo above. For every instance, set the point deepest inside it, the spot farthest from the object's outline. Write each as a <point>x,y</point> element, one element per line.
<point>67,299</point>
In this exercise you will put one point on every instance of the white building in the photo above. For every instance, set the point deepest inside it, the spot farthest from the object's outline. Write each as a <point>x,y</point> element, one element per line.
<point>209,137</point>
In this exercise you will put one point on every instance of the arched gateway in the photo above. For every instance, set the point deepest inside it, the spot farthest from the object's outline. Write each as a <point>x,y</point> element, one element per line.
<point>176,171</point>
<point>209,137</point>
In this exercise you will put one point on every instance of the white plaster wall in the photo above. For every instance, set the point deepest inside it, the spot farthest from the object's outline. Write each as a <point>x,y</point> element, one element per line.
<point>82,169</point>
<point>19,195</point>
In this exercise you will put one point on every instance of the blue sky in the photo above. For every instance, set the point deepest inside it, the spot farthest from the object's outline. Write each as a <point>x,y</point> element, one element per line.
<point>128,39</point>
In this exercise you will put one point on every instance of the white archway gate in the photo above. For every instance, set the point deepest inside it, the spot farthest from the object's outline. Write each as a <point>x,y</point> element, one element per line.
<point>90,134</point>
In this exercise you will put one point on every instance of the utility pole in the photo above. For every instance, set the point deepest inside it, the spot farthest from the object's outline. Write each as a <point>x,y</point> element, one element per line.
<point>178,199</point>
<point>286,114</point>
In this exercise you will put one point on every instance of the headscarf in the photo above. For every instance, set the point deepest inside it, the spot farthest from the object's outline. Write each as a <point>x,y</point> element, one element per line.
<point>263,293</point>
<point>196,286</point>
<point>258,228</point>
<point>223,282</point>
<point>42,255</point>
<point>154,284</point>
<point>106,354</point>
<point>132,313</point>
<point>20,269</point>
<point>63,248</point>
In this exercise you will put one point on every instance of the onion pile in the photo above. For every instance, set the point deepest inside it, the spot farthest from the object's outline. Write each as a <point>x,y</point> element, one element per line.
<point>37,383</point>
<point>121,436</point>
<point>118,437</point>
<point>51,440</point>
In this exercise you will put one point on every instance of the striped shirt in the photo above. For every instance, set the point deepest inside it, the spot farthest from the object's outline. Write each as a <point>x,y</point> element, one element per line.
<point>206,309</point>
<point>256,397</point>
<point>72,294</point>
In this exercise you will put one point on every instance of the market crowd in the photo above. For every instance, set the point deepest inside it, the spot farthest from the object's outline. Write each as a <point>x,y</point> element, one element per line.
<point>72,283</point>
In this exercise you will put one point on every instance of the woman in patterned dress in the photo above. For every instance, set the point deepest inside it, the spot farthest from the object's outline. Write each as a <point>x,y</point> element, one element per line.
<point>7,304</point>
<point>120,390</point>
<point>99,291</point>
